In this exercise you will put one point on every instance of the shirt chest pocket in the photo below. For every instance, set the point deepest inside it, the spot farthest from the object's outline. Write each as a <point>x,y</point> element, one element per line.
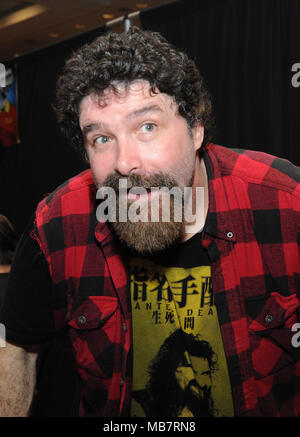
<point>270,322</point>
<point>94,332</point>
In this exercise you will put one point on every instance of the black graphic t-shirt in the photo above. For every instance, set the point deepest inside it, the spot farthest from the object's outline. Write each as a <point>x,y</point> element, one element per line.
<point>180,369</point>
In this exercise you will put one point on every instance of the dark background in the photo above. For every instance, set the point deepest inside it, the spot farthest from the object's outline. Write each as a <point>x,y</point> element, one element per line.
<point>245,51</point>
<point>43,159</point>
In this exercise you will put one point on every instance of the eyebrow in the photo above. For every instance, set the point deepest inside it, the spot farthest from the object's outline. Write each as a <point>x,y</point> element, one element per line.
<point>137,113</point>
<point>91,127</point>
<point>144,110</point>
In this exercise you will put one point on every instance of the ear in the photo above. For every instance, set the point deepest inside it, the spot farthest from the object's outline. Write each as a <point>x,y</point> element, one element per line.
<point>85,156</point>
<point>198,135</point>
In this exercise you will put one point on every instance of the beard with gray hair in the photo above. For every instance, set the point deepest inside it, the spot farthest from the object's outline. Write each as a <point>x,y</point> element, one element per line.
<point>146,235</point>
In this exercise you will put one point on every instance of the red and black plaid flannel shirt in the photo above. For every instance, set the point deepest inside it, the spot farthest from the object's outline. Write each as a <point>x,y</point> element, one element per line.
<point>252,236</point>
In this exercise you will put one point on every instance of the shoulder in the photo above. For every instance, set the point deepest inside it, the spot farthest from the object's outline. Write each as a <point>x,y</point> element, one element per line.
<point>71,196</point>
<point>68,207</point>
<point>254,167</point>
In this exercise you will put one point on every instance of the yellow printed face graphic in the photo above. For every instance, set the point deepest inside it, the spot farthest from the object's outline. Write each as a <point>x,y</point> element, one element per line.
<point>180,368</point>
<point>184,375</point>
<point>202,371</point>
<point>194,376</point>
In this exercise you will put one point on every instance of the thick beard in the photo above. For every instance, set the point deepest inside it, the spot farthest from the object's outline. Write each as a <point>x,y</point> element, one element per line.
<point>201,405</point>
<point>147,237</point>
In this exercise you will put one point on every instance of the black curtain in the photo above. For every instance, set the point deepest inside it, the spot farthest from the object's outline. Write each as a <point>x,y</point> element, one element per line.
<point>245,51</point>
<point>28,171</point>
<point>43,159</point>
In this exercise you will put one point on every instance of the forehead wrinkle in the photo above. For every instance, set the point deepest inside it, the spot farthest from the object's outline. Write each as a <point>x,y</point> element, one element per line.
<point>143,111</point>
<point>103,101</point>
<point>90,127</point>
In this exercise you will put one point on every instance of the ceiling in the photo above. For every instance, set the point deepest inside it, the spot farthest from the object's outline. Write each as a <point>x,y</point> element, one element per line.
<point>26,26</point>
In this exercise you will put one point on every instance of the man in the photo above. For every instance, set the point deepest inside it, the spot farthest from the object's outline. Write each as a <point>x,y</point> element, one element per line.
<point>117,287</point>
<point>180,382</point>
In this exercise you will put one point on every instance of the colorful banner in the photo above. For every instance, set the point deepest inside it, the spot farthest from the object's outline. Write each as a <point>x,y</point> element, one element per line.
<point>9,133</point>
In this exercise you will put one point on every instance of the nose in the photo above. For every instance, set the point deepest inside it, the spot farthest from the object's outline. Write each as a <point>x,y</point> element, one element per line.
<point>128,157</point>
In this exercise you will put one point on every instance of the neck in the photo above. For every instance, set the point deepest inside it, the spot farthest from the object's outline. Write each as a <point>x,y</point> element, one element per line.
<point>198,202</point>
<point>5,268</point>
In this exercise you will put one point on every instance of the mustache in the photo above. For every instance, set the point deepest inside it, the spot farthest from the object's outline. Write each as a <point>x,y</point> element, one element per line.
<point>157,180</point>
<point>193,383</point>
<point>204,390</point>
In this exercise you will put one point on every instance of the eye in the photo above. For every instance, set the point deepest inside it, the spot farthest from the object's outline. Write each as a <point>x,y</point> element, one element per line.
<point>102,139</point>
<point>147,128</point>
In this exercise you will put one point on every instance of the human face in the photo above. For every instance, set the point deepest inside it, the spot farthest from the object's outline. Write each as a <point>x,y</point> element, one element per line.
<point>195,376</point>
<point>134,132</point>
<point>140,136</point>
<point>202,371</point>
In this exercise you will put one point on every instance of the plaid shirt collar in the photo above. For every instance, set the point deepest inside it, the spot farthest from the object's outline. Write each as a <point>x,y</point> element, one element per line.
<point>218,227</point>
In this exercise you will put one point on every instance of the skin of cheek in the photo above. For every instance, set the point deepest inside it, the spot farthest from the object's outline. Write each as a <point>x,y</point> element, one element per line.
<point>150,162</point>
<point>173,153</point>
<point>99,171</point>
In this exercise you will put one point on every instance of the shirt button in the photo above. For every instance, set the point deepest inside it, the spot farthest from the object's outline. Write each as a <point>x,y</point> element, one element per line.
<point>269,318</point>
<point>230,234</point>
<point>124,327</point>
<point>81,320</point>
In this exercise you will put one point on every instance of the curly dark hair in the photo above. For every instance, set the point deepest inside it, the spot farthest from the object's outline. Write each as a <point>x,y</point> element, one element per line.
<point>162,386</point>
<point>126,57</point>
<point>171,354</point>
